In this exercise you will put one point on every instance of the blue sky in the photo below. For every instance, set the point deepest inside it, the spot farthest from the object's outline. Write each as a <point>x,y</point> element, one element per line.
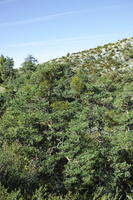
<point>48,29</point>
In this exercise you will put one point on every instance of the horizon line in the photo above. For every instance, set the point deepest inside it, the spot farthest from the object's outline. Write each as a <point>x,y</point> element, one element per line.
<point>57,41</point>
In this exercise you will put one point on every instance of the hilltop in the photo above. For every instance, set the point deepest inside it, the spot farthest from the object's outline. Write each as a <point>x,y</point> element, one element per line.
<point>121,51</point>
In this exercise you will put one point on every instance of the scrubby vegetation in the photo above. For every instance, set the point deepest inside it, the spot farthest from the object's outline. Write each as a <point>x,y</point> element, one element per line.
<point>66,126</point>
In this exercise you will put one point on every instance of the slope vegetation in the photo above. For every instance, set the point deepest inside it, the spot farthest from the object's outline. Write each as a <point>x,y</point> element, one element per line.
<point>66,126</point>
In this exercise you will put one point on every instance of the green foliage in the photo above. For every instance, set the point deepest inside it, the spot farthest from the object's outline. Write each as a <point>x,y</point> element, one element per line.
<point>60,105</point>
<point>6,68</point>
<point>42,194</point>
<point>66,126</point>
<point>77,84</point>
<point>5,195</point>
<point>29,64</point>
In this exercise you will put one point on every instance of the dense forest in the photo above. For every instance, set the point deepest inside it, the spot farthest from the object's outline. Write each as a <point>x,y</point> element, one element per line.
<point>66,126</point>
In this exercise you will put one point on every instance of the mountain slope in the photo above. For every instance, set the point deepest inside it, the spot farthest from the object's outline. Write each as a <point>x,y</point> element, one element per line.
<point>66,126</point>
<point>121,51</point>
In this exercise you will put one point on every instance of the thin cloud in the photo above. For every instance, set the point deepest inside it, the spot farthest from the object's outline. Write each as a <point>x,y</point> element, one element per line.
<point>60,41</point>
<point>53,16</point>
<point>37,19</point>
<point>6,1</point>
<point>113,7</point>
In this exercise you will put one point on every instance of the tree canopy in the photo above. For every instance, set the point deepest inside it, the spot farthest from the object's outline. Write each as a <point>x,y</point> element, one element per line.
<point>66,126</point>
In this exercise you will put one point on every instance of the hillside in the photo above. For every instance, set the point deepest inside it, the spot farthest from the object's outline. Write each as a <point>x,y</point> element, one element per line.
<point>120,51</point>
<point>66,126</point>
